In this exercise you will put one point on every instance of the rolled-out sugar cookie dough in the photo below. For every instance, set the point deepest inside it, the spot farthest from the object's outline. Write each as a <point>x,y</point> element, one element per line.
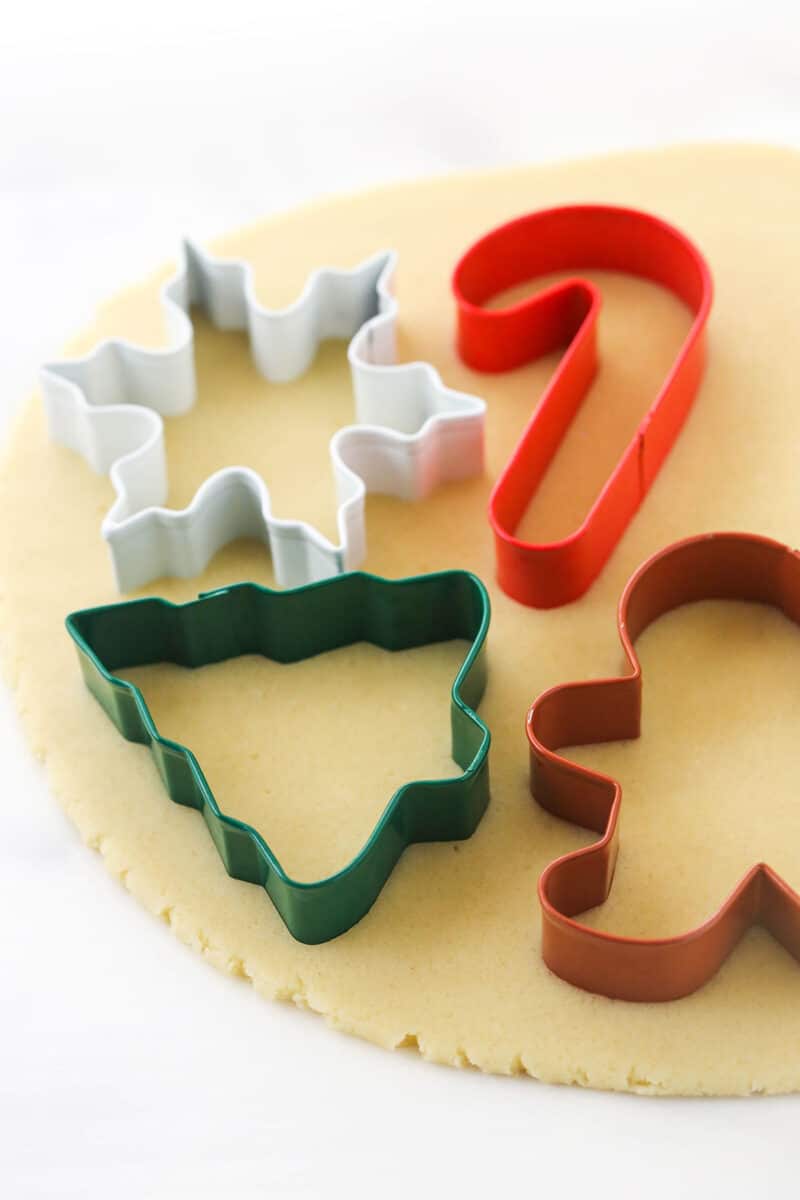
<point>448,958</point>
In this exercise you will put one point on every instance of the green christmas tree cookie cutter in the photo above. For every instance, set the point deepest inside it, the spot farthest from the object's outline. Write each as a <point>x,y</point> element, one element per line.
<point>287,626</point>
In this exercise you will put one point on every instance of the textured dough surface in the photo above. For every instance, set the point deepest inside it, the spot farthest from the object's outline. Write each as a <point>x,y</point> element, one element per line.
<point>448,957</point>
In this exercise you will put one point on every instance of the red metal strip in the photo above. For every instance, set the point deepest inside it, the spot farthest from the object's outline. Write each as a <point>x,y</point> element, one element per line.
<point>572,238</point>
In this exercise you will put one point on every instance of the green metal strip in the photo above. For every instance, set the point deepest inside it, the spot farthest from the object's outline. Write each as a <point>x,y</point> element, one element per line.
<point>287,626</point>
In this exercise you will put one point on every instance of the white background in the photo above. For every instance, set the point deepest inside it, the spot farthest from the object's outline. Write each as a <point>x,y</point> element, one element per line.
<point>127,1066</point>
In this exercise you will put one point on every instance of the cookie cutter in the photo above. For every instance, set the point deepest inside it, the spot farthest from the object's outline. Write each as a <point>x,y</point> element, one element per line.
<point>287,626</point>
<point>572,237</point>
<point>729,566</point>
<point>412,432</point>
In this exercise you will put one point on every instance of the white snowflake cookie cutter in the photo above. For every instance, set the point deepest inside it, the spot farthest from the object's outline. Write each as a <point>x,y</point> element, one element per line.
<point>411,433</point>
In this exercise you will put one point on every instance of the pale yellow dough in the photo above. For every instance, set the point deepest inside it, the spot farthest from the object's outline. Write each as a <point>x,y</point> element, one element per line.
<point>448,959</point>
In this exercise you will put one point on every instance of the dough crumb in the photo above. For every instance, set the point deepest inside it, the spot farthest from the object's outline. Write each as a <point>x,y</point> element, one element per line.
<point>409,1042</point>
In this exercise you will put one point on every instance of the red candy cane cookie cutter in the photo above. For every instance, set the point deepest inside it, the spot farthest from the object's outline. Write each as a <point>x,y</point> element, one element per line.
<point>570,238</point>
<point>715,566</point>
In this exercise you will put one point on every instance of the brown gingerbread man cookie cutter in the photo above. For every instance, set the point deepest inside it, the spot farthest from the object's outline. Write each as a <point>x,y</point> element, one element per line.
<point>729,566</point>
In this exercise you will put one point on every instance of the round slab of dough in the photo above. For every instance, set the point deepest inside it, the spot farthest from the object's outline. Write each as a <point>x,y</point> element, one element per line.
<point>448,958</point>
